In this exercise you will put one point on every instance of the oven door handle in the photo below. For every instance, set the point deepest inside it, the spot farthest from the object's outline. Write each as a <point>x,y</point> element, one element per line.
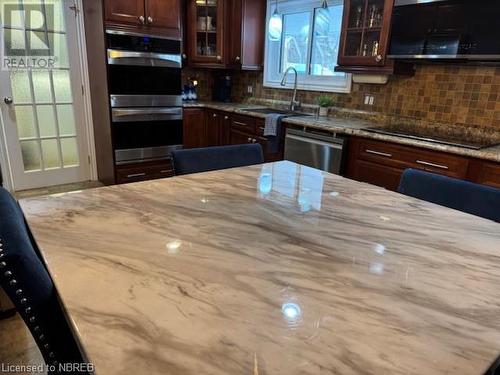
<point>118,57</point>
<point>145,114</point>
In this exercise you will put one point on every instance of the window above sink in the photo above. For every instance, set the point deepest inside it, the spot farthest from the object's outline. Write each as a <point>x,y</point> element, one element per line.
<point>309,42</point>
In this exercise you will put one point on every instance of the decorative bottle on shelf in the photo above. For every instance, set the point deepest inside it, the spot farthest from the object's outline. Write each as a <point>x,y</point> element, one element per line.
<point>357,17</point>
<point>365,50</point>
<point>195,93</point>
<point>190,95</point>
<point>373,16</point>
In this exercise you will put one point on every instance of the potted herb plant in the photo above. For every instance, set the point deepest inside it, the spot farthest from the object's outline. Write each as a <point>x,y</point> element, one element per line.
<point>324,102</point>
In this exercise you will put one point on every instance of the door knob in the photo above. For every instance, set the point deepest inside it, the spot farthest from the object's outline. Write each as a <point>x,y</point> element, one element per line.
<point>150,19</point>
<point>8,100</point>
<point>141,19</point>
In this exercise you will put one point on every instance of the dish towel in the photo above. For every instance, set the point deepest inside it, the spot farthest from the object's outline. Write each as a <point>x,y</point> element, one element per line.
<point>272,131</point>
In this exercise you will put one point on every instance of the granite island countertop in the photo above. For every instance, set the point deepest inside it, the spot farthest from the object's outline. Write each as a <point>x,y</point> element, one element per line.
<point>271,269</point>
<point>350,125</point>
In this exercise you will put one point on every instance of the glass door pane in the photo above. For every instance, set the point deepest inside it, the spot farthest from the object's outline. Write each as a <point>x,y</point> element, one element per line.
<point>364,28</point>
<point>207,28</point>
<point>42,100</point>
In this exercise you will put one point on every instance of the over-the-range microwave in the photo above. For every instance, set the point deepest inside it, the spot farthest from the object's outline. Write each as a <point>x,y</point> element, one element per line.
<point>446,29</point>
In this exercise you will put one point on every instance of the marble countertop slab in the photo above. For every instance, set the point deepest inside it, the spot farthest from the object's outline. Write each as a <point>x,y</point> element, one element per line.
<point>271,269</point>
<point>352,126</point>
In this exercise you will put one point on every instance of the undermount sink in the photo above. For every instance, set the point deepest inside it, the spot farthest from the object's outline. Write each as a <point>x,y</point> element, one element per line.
<point>268,111</point>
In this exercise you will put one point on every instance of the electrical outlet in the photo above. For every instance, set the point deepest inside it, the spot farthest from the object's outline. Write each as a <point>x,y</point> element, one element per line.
<point>369,99</point>
<point>250,89</point>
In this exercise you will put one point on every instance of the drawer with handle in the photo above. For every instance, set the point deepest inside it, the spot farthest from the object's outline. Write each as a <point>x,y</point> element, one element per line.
<point>144,171</point>
<point>381,153</point>
<point>438,162</point>
<point>400,156</point>
<point>243,123</point>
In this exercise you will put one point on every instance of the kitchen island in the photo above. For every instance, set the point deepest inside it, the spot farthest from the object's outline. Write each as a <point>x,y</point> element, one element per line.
<point>271,269</point>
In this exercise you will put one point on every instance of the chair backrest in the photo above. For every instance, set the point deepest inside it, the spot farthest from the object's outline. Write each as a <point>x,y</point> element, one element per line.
<point>26,281</point>
<point>215,158</point>
<point>461,195</point>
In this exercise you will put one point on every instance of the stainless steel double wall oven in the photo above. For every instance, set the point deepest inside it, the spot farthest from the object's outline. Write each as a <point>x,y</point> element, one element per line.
<point>145,86</point>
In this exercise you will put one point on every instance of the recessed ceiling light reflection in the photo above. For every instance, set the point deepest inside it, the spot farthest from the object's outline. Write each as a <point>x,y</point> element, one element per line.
<point>291,311</point>
<point>377,268</point>
<point>379,248</point>
<point>334,194</point>
<point>174,246</point>
<point>205,200</point>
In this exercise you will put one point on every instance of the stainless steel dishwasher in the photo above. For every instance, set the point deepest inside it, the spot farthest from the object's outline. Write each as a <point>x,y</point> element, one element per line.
<point>318,149</point>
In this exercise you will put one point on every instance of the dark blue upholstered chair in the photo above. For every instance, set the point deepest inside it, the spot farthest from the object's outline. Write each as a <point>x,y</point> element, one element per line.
<point>26,281</point>
<point>460,195</point>
<point>214,158</point>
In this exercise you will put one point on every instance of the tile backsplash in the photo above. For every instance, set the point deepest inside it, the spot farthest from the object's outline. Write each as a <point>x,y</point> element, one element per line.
<point>467,95</point>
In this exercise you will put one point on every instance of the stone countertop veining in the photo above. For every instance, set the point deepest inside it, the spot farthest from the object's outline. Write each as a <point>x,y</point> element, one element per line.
<point>271,269</point>
<point>352,126</point>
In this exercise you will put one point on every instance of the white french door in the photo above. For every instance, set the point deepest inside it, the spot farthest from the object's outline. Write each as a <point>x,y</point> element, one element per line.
<point>43,118</point>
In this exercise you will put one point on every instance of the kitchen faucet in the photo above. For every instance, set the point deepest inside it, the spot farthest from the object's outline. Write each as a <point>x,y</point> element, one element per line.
<point>294,102</point>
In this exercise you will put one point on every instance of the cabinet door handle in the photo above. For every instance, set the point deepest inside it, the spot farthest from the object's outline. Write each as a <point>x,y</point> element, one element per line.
<point>254,140</point>
<point>238,59</point>
<point>219,57</point>
<point>385,154</point>
<point>428,164</point>
<point>150,19</point>
<point>136,175</point>
<point>214,115</point>
<point>239,123</point>
<point>378,58</point>
<point>142,19</point>
<point>226,117</point>
<point>249,139</point>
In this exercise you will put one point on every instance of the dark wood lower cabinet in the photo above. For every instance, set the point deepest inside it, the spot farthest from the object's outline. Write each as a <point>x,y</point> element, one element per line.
<point>485,172</point>
<point>218,128</point>
<point>382,164</point>
<point>213,128</point>
<point>144,171</point>
<point>194,127</point>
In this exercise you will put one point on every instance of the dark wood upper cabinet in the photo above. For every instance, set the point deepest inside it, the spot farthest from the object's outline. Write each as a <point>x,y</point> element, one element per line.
<point>127,12</point>
<point>205,32</point>
<point>364,39</point>
<point>226,33</point>
<point>164,14</point>
<point>161,17</point>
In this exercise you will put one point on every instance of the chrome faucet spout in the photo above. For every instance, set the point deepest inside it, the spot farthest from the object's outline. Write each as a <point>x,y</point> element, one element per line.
<point>294,103</point>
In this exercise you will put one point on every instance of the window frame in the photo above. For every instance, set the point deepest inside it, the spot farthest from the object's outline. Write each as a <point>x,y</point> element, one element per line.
<point>305,81</point>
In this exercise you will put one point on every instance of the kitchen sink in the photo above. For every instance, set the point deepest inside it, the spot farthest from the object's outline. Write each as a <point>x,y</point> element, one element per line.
<point>268,111</point>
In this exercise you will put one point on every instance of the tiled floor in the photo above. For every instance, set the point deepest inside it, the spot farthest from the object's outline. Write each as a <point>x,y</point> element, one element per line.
<point>17,346</point>
<point>57,189</point>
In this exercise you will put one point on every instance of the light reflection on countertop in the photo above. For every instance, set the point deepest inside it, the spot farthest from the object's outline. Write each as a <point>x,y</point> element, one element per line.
<point>292,185</point>
<point>276,266</point>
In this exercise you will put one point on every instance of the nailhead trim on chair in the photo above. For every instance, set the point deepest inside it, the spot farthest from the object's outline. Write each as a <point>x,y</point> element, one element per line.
<point>23,300</point>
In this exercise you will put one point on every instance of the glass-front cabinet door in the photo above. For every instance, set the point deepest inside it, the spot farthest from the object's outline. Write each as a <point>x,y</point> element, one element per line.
<point>366,26</point>
<point>205,20</point>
